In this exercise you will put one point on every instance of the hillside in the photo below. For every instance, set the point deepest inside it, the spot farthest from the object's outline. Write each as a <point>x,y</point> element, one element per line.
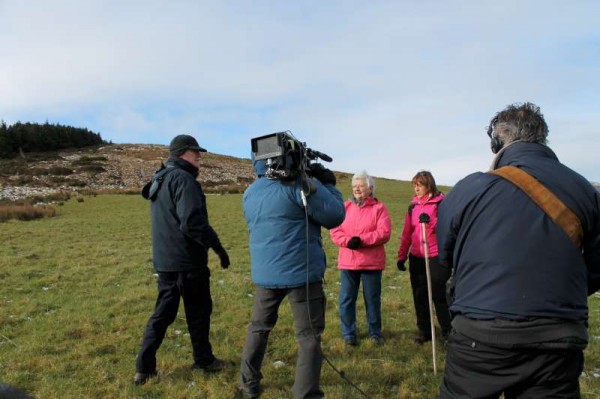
<point>110,168</point>
<point>113,168</point>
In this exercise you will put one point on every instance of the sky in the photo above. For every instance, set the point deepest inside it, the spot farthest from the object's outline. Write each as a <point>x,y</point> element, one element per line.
<point>390,87</point>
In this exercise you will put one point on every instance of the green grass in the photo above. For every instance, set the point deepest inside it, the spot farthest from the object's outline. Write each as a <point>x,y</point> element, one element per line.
<point>77,290</point>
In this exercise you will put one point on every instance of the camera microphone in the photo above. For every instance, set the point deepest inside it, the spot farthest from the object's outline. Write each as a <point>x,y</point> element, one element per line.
<point>318,154</point>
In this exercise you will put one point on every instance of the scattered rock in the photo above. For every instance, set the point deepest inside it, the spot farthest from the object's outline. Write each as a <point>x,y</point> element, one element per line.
<point>111,168</point>
<point>278,363</point>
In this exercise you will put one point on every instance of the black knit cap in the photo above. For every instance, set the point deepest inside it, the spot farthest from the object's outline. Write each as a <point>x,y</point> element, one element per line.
<point>184,142</point>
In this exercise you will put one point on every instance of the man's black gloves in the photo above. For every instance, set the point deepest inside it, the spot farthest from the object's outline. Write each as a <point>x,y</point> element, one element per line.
<point>219,250</point>
<point>322,174</point>
<point>354,242</point>
<point>401,266</point>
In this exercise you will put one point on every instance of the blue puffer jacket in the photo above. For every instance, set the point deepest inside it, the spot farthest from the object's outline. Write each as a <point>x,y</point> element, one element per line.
<point>277,225</point>
<point>511,260</point>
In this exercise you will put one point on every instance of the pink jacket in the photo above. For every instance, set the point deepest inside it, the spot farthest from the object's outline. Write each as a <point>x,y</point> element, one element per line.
<point>411,233</point>
<point>371,222</point>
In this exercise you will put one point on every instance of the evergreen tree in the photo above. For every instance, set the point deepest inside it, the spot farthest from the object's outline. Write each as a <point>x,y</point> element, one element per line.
<point>5,148</point>
<point>33,137</point>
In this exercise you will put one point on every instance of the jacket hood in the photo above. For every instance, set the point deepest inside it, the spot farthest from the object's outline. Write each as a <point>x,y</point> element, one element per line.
<point>260,166</point>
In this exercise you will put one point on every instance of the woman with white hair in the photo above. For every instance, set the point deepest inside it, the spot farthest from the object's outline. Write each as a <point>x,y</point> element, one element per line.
<point>361,238</point>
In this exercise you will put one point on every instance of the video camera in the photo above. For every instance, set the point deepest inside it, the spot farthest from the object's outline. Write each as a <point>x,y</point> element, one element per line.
<point>286,157</point>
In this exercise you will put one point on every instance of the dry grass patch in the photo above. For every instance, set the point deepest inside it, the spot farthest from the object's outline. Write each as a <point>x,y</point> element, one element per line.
<point>25,211</point>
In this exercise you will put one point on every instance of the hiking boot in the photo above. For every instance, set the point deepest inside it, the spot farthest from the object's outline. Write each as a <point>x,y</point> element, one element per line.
<point>247,393</point>
<point>421,338</point>
<point>141,378</point>
<point>377,339</point>
<point>214,367</point>
<point>351,341</point>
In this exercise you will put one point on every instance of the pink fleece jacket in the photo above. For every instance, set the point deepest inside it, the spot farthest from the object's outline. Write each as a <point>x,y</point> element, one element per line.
<point>371,222</point>
<point>411,233</point>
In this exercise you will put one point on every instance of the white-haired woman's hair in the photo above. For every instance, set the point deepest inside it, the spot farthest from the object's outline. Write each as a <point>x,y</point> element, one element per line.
<point>363,175</point>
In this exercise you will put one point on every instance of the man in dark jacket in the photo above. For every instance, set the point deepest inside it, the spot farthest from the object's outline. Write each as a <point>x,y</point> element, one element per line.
<point>181,237</point>
<point>284,236</point>
<point>521,285</point>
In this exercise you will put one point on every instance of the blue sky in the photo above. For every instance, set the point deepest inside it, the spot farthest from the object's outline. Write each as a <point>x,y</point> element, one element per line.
<point>391,87</point>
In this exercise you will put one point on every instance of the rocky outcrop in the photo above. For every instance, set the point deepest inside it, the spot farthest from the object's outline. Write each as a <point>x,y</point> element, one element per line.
<point>110,168</point>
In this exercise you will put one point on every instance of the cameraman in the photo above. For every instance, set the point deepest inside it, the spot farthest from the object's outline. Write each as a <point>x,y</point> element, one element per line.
<point>282,238</point>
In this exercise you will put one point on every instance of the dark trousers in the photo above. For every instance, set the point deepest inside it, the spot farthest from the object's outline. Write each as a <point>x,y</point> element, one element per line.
<point>308,307</point>
<point>476,370</point>
<point>194,288</point>
<point>418,282</point>
<point>371,281</point>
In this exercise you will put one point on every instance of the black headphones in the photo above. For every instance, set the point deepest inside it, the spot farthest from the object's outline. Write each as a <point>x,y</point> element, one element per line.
<point>496,143</point>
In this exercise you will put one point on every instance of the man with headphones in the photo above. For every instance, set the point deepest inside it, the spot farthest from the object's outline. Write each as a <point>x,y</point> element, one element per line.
<point>520,292</point>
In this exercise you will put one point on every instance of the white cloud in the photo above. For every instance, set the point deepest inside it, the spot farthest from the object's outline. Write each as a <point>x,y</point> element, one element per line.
<point>392,87</point>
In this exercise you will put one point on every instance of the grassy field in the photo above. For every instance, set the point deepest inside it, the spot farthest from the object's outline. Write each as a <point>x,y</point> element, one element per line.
<point>76,291</point>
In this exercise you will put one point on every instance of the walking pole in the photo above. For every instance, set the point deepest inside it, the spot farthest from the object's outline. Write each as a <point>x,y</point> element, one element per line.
<point>423,220</point>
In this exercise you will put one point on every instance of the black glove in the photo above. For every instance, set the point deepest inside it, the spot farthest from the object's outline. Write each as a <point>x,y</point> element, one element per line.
<point>401,266</point>
<point>322,174</point>
<point>219,250</point>
<point>354,242</point>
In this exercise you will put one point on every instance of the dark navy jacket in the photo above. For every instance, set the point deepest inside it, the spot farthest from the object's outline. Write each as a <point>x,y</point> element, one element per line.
<point>512,261</point>
<point>279,240</point>
<point>181,234</point>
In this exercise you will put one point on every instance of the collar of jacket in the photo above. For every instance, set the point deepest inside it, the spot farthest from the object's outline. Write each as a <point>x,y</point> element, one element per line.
<point>514,153</point>
<point>430,199</point>
<point>367,202</point>
<point>183,164</point>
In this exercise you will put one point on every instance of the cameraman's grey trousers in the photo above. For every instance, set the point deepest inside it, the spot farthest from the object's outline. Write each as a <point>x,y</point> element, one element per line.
<point>309,319</point>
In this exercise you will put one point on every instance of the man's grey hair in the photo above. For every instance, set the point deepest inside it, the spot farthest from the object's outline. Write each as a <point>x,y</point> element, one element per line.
<point>523,122</point>
<point>363,175</point>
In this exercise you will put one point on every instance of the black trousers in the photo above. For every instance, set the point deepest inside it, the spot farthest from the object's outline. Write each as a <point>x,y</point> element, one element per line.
<point>418,282</point>
<point>480,371</point>
<point>194,288</point>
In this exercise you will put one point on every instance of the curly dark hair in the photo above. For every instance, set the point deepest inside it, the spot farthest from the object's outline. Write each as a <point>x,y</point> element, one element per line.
<point>518,121</point>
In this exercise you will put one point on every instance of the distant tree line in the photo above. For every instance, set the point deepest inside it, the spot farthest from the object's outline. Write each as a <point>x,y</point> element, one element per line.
<point>35,137</point>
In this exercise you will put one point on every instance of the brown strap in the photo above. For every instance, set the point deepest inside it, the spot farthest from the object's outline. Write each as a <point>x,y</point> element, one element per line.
<point>546,200</point>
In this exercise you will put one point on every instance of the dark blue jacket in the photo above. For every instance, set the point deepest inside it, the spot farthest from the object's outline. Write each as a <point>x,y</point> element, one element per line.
<point>181,234</point>
<point>279,240</point>
<point>512,261</point>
